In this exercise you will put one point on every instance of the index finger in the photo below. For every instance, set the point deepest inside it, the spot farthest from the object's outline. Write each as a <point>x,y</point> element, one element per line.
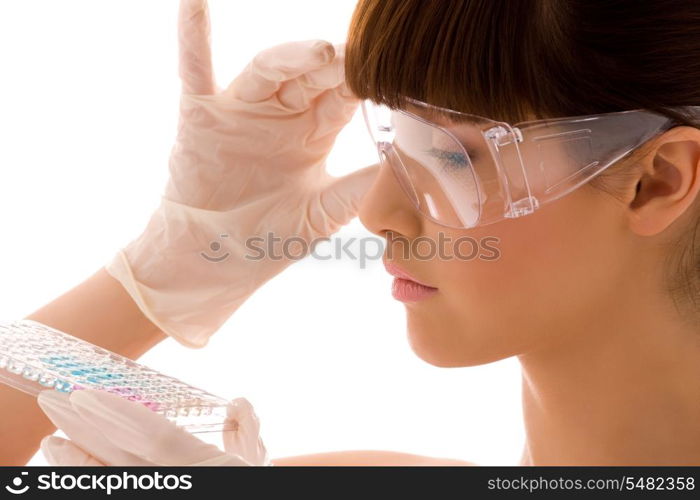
<point>194,35</point>
<point>58,408</point>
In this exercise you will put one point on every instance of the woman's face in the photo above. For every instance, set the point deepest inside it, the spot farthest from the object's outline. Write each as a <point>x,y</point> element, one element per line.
<point>551,272</point>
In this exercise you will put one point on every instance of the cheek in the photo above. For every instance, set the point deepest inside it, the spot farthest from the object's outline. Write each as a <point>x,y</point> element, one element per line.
<point>553,267</point>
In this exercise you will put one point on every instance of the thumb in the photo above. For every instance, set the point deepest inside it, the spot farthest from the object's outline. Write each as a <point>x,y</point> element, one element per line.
<point>240,411</point>
<point>245,440</point>
<point>341,198</point>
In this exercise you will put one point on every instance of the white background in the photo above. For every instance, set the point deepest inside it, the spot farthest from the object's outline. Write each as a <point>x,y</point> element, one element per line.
<point>88,102</point>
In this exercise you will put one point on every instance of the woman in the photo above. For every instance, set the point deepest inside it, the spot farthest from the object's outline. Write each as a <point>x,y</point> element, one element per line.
<point>595,286</point>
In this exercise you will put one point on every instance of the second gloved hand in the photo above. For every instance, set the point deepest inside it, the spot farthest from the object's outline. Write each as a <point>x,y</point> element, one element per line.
<point>247,169</point>
<point>106,429</point>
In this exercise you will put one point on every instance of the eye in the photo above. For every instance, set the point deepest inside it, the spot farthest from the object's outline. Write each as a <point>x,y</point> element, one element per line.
<point>450,159</point>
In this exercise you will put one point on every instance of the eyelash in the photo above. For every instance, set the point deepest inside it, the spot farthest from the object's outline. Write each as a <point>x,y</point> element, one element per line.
<point>450,159</point>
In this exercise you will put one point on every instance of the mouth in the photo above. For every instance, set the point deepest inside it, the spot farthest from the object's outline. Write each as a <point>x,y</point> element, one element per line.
<point>405,287</point>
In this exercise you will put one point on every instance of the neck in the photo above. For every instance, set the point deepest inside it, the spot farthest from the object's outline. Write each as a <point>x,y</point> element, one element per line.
<point>623,389</point>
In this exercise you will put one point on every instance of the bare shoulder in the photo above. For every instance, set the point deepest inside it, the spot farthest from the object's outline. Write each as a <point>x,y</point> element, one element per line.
<point>368,458</point>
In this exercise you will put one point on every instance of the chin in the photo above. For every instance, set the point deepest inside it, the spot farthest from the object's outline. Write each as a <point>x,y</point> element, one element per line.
<point>451,348</point>
<point>440,352</point>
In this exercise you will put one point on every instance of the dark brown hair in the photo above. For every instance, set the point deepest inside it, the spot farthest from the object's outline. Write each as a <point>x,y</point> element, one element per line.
<point>513,60</point>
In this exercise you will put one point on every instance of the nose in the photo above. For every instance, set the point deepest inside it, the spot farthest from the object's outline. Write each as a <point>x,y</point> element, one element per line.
<point>386,207</point>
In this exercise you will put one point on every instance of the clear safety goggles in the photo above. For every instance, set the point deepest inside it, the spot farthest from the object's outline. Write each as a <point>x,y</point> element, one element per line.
<point>463,170</point>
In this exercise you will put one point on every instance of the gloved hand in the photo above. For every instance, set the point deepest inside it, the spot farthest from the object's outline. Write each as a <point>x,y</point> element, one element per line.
<point>248,162</point>
<point>105,429</point>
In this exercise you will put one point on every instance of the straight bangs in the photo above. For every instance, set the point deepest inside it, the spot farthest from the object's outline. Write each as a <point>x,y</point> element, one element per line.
<point>478,57</point>
<point>519,60</point>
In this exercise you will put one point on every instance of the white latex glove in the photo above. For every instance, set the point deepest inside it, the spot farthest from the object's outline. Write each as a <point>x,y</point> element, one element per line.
<point>248,161</point>
<point>105,429</point>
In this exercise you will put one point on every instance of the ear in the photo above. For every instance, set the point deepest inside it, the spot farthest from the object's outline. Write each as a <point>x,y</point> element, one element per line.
<point>668,182</point>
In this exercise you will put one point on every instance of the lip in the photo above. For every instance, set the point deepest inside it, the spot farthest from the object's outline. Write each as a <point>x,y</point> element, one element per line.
<point>405,287</point>
<point>397,272</point>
